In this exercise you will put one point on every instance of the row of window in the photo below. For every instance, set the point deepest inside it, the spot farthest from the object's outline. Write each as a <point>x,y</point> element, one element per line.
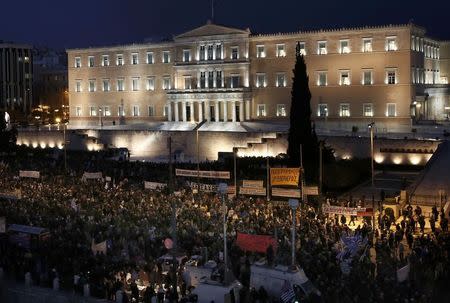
<point>366,77</point>
<point>105,111</point>
<point>431,50</point>
<point>120,84</point>
<point>367,110</point>
<point>120,59</point>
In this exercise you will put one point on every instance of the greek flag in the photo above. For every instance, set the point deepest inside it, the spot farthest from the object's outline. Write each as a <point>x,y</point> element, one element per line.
<point>287,293</point>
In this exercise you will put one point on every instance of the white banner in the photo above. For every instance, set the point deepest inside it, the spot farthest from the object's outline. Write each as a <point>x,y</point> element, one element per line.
<point>108,179</point>
<point>203,173</point>
<point>255,191</point>
<point>99,247</point>
<point>154,185</point>
<point>347,211</point>
<point>2,225</point>
<point>209,188</point>
<point>29,174</point>
<point>252,183</point>
<point>286,192</point>
<point>311,190</point>
<point>87,175</point>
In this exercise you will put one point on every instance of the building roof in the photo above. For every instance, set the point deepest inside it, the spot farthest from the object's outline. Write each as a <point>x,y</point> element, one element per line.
<point>434,180</point>
<point>211,29</point>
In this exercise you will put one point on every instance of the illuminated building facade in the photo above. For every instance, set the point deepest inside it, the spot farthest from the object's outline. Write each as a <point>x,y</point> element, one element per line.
<point>390,74</point>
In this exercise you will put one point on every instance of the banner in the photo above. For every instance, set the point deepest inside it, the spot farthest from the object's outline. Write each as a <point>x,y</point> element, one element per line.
<point>99,247</point>
<point>154,185</point>
<point>311,190</point>
<point>252,183</point>
<point>403,273</point>
<point>286,192</point>
<point>87,175</point>
<point>347,211</point>
<point>255,191</point>
<point>2,225</point>
<point>202,173</point>
<point>284,176</point>
<point>255,243</point>
<point>13,195</point>
<point>209,188</point>
<point>29,174</point>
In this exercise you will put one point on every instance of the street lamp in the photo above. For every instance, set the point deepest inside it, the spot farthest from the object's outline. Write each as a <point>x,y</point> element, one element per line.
<point>197,127</point>
<point>371,127</point>
<point>100,121</point>
<point>293,203</point>
<point>223,190</point>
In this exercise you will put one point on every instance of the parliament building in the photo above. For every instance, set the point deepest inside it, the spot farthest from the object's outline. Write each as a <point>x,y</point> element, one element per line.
<point>392,75</point>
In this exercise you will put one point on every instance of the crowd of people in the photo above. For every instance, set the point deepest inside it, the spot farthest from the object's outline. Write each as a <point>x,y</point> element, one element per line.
<point>135,221</point>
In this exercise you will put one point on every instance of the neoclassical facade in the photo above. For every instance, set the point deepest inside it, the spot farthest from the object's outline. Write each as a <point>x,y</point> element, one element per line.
<point>391,75</point>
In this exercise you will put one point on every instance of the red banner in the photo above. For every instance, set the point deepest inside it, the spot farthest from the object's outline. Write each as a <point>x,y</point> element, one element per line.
<point>256,243</point>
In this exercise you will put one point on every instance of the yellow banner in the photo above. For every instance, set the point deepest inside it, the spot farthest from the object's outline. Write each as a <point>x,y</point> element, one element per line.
<point>284,176</point>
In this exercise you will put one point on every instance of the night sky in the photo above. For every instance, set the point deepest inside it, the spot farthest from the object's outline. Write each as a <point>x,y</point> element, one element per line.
<point>83,23</point>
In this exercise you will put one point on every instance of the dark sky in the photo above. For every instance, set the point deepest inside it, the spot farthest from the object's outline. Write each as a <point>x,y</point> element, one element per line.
<point>82,23</point>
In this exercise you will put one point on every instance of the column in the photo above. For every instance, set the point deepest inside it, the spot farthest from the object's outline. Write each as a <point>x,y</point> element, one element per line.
<point>225,111</point>
<point>192,112</point>
<point>183,108</point>
<point>200,111</point>
<point>233,108</point>
<point>169,111</point>
<point>177,117</point>
<point>216,108</point>
<point>241,110</point>
<point>247,110</point>
<point>207,111</point>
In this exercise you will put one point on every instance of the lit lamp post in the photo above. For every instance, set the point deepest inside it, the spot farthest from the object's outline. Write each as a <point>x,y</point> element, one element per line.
<point>58,120</point>
<point>100,121</point>
<point>293,203</point>
<point>371,126</point>
<point>223,189</point>
<point>197,127</point>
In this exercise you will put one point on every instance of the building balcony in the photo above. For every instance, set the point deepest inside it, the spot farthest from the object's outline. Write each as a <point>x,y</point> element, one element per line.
<point>210,90</point>
<point>212,62</point>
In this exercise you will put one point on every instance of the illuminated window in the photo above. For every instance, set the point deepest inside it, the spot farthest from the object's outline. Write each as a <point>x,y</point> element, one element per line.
<point>134,58</point>
<point>281,110</point>
<point>302,48</point>
<point>260,51</point>
<point>187,82</point>
<point>93,111</point>
<point>235,53</point>
<point>391,43</point>
<point>368,110</point>
<point>202,52</point>
<point>344,110</point>
<point>77,62</point>
<point>92,85</point>
<point>235,81</point>
<point>186,55</point>
<point>119,59</point>
<point>150,83</point>
<point>91,61</point>
<point>106,86</point>
<point>322,79</point>
<point>367,77</point>
<point>151,110</point>
<point>344,77</point>
<point>166,57</point>
<point>367,45</point>
<point>120,85</point>
<point>391,76</point>
<point>202,79</point>
<point>210,52</point>
<point>78,86</point>
<point>260,80</point>
<point>261,110</point>
<point>150,59</point>
<point>105,60</point>
<point>281,80</point>
<point>322,110</point>
<point>210,79</point>
<point>218,51</point>
<point>135,83</point>
<point>166,83</point>
<point>78,111</point>
<point>391,110</point>
<point>135,111</point>
<point>106,111</point>
<point>322,47</point>
<point>344,46</point>
<point>121,111</point>
<point>219,78</point>
<point>281,51</point>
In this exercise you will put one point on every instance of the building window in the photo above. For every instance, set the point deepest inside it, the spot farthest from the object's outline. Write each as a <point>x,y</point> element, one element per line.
<point>166,83</point>
<point>281,51</point>
<point>78,86</point>
<point>391,110</point>
<point>78,111</point>
<point>391,43</point>
<point>120,85</point>
<point>93,111</point>
<point>391,76</point>
<point>106,111</point>
<point>119,59</point>
<point>302,48</point>
<point>202,79</point>
<point>322,110</point>
<point>367,110</point>
<point>210,52</point>
<point>187,82</point>
<point>166,57</point>
<point>218,51</point>
<point>367,77</point>
<point>344,46</point>
<point>186,55</point>
<point>121,111</point>
<point>135,111</point>
<point>261,110</point>
<point>151,110</point>
<point>344,110</point>
<point>210,79</point>
<point>367,45</point>
<point>135,84</point>
<point>235,53</point>
<point>106,86</point>
<point>322,79</point>
<point>77,62</point>
<point>92,85</point>
<point>219,78</point>
<point>151,83</point>
<point>261,80</point>
<point>91,61</point>
<point>281,80</point>
<point>235,82</point>
<point>344,77</point>
<point>134,58</point>
<point>260,51</point>
<point>150,59</point>
<point>281,110</point>
<point>322,47</point>
<point>202,52</point>
<point>105,60</point>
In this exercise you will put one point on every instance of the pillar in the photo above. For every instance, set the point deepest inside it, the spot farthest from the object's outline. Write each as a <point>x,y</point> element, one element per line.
<point>216,108</point>
<point>225,111</point>
<point>241,110</point>
<point>247,110</point>
<point>192,112</point>
<point>200,111</point>
<point>183,108</point>
<point>177,116</point>
<point>169,111</point>
<point>233,108</point>
<point>207,111</point>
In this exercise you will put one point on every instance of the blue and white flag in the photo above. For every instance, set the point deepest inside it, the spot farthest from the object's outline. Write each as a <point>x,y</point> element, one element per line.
<point>287,293</point>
